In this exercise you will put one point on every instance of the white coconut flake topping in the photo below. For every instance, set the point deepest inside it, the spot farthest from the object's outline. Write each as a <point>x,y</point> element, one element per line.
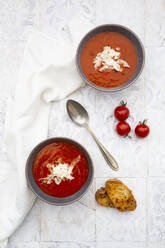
<point>60,172</point>
<point>109,59</point>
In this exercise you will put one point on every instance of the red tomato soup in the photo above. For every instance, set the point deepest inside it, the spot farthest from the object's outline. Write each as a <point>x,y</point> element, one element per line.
<point>60,169</point>
<point>107,76</point>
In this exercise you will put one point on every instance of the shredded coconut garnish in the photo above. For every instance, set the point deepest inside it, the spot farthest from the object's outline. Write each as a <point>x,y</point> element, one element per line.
<point>60,172</point>
<point>109,59</point>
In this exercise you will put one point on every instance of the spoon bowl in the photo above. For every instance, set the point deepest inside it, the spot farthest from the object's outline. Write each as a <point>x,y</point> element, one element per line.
<point>77,113</point>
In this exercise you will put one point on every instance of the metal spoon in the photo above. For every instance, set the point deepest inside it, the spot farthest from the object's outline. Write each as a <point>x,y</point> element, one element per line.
<point>79,115</point>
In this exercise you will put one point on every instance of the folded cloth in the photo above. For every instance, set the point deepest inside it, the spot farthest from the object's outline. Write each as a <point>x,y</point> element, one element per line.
<point>48,73</point>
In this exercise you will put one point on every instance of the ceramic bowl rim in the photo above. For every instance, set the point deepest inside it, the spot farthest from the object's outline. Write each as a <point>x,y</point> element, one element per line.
<point>32,184</point>
<point>129,82</point>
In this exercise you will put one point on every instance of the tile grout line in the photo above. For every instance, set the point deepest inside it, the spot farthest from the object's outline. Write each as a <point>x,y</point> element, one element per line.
<point>129,177</point>
<point>95,112</point>
<point>39,14</point>
<point>38,26</point>
<point>145,111</point>
<point>11,41</point>
<point>95,211</point>
<point>82,242</point>
<point>40,223</point>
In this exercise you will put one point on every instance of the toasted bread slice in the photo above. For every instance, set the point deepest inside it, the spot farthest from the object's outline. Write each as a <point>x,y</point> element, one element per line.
<point>120,195</point>
<point>102,198</point>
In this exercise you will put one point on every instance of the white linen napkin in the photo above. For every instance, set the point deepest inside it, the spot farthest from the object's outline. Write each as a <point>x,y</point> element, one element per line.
<point>48,73</point>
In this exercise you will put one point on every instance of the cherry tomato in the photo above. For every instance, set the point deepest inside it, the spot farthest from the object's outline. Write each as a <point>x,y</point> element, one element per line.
<point>123,128</point>
<point>142,130</point>
<point>121,112</point>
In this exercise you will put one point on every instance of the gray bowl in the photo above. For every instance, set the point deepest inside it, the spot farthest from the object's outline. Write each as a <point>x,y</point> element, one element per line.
<point>124,31</point>
<point>45,197</point>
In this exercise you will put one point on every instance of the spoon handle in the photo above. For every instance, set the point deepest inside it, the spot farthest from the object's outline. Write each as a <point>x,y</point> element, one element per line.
<point>108,157</point>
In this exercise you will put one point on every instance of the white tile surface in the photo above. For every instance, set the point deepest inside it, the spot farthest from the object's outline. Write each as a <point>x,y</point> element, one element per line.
<point>68,223</point>
<point>85,224</point>
<point>24,245</point>
<point>61,124</point>
<point>17,18</point>
<point>124,12</point>
<point>156,209</point>
<point>156,245</point>
<point>121,245</point>
<point>112,225</point>
<point>11,54</point>
<point>122,149</point>
<point>30,230</point>
<point>156,157</point>
<point>155,109</point>
<point>88,199</point>
<point>54,15</point>
<point>68,245</point>
<point>155,91</point>
<point>155,25</point>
